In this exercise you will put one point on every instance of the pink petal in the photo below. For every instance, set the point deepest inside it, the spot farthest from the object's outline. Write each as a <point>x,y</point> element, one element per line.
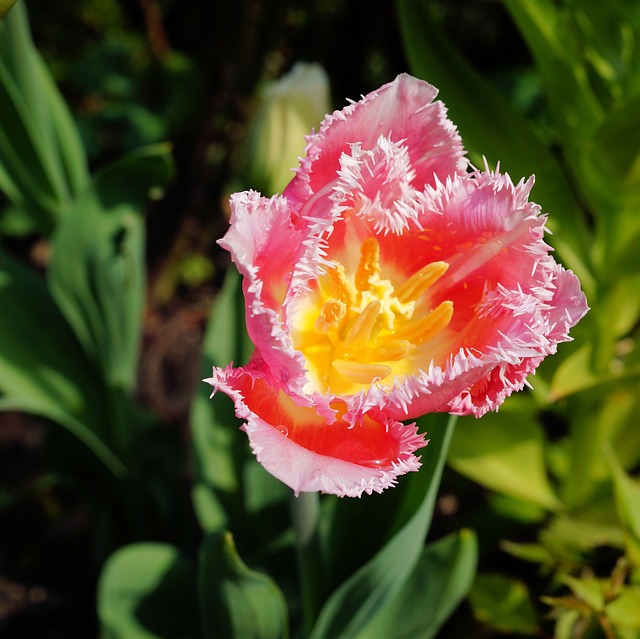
<point>401,110</point>
<point>297,446</point>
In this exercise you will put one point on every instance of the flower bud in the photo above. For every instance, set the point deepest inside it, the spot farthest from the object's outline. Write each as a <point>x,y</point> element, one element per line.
<point>289,108</point>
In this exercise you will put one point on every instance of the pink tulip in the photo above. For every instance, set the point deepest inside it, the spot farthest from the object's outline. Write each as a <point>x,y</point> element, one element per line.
<point>385,283</point>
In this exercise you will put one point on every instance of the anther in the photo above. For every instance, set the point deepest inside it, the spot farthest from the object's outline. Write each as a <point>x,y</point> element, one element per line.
<point>422,330</point>
<point>421,280</point>
<point>369,264</point>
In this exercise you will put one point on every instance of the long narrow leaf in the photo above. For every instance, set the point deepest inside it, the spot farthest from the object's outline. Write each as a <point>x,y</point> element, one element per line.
<point>42,163</point>
<point>350,609</point>
<point>440,580</point>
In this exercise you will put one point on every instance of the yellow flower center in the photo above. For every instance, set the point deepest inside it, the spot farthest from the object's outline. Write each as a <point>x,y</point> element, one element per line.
<point>357,328</point>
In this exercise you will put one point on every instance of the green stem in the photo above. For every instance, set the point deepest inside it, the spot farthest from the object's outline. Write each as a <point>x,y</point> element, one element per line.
<point>305,513</point>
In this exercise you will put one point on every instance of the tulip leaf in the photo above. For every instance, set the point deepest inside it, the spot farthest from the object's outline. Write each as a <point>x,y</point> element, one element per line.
<point>148,591</point>
<point>42,163</point>
<point>439,581</point>
<point>235,601</point>
<point>349,611</point>
<point>503,604</point>
<point>219,450</point>
<point>43,368</point>
<point>505,453</point>
<point>97,273</point>
<point>490,126</point>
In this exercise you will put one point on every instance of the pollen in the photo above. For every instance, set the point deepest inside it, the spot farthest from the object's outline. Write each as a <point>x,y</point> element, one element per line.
<point>360,328</point>
<point>332,313</point>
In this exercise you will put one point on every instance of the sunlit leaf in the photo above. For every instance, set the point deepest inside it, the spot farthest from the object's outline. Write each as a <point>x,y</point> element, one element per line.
<point>148,591</point>
<point>503,604</point>
<point>235,601</point>
<point>505,453</point>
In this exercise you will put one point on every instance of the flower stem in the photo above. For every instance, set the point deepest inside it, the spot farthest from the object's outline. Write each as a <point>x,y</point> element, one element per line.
<point>305,513</point>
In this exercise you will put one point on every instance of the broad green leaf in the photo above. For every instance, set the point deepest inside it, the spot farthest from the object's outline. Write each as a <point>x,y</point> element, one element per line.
<point>624,611</point>
<point>439,581</point>
<point>148,591</point>
<point>235,601</point>
<point>505,452</point>
<point>349,611</point>
<point>503,604</point>
<point>491,127</point>
<point>97,273</point>
<point>627,497</point>
<point>568,538</point>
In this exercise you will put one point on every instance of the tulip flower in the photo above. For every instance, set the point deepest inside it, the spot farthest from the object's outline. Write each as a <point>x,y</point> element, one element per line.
<point>389,280</point>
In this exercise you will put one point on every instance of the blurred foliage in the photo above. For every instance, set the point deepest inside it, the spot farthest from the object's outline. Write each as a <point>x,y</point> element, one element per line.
<point>97,229</point>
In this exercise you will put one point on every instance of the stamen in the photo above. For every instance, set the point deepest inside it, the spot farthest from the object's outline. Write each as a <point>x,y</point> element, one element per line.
<point>360,333</point>
<point>369,264</point>
<point>390,350</point>
<point>331,315</point>
<point>421,280</point>
<point>422,330</point>
<point>358,372</point>
<point>341,288</point>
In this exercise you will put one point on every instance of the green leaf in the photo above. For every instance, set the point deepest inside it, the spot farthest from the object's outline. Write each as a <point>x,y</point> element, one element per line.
<point>587,589</point>
<point>42,162</point>
<point>558,55</point>
<point>503,604</point>
<point>43,368</point>
<point>97,273</point>
<point>624,611</point>
<point>5,5</point>
<point>627,496</point>
<point>236,602</point>
<point>148,591</point>
<point>505,452</point>
<point>439,581</point>
<point>351,610</point>
<point>220,451</point>
<point>491,127</point>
